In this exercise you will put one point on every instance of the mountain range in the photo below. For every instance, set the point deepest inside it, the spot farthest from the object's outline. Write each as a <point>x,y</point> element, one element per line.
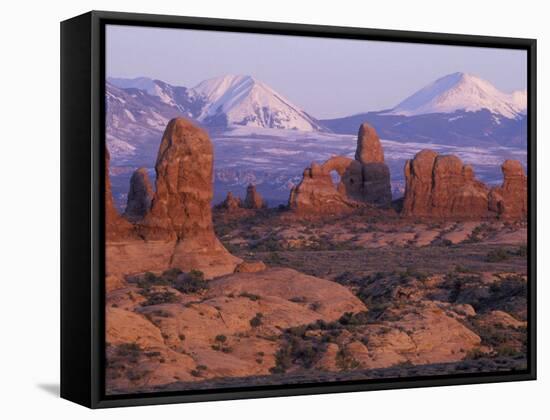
<point>457,109</point>
<point>462,92</point>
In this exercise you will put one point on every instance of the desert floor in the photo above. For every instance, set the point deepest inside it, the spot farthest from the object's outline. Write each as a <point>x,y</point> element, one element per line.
<point>355,296</point>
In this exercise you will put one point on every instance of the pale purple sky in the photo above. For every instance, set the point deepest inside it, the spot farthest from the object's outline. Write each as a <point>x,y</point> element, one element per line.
<point>326,77</point>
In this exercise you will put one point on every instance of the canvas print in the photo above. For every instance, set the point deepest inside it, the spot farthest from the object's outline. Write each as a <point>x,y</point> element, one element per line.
<point>296,210</point>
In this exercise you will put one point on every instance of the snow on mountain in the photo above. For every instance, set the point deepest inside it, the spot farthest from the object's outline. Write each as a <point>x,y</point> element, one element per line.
<point>227,101</point>
<point>244,101</point>
<point>134,118</point>
<point>142,83</point>
<point>519,97</point>
<point>462,91</point>
<point>178,97</point>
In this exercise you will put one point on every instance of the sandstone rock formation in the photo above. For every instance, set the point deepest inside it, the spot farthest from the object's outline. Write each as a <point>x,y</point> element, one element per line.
<point>284,283</point>
<point>114,283</point>
<point>425,335</point>
<point>442,186</point>
<point>231,202</point>
<point>350,173</point>
<point>130,327</point>
<point>376,174</point>
<point>162,343</point>
<point>376,184</point>
<point>178,230</point>
<point>369,148</point>
<point>253,199</point>
<point>502,318</point>
<point>317,193</point>
<point>140,195</point>
<point>510,199</point>
<point>181,204</point>
<point>365,180</point>
<point>250,267</point>
<point>116,228</point>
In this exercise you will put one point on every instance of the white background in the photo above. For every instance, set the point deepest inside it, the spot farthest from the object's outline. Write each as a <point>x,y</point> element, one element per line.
<point>29,208</point>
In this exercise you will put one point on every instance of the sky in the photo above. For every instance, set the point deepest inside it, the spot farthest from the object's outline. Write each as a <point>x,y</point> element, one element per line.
<point>326,77</point>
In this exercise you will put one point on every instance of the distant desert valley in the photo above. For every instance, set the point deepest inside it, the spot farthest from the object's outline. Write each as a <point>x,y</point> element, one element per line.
<point>355,267</point>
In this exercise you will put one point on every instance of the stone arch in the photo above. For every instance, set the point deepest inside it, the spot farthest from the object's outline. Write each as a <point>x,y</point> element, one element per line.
<point>335,177</point>
<point>363,180</point>
<point>351,175</point>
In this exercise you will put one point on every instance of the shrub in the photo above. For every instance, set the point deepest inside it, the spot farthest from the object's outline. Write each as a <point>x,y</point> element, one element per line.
<point>414,273</point>
<point>283,360</point>
<point>128,347</point>
<point>497,255</point>
<point>305,352</point>
<point>192,282</point>
<point>462,269</point>
<point>346,278</point>
<point>134,375</point>
<point>510,286</point>
<point>130,350</point>
<point>350,318</point>
<point>455,291</point>
<point>220,344</point>
<point>158,298</point>
<point>345,361</point>
<point>148,280</point>
<point>315,306</point>
<point>299,331</point>
<point>256,321</point>
<point>522,251</point>
<point>250,296</point>
<point>162,314</point>
<point>171,274</point>
<point>273,259</point>
<point>507,351</point>
<point>267,244</point>
<point>150,277</point>
<point>475,354</point>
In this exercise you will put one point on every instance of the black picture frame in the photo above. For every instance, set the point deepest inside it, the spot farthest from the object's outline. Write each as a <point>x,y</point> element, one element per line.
<point>82,206</point>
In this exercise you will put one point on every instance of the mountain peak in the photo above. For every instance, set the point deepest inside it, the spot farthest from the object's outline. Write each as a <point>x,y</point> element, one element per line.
<point>461,91</point>
<point>228,100</point>
<point>243,100</point>
<point>143,83</point>
<point>218,88</point>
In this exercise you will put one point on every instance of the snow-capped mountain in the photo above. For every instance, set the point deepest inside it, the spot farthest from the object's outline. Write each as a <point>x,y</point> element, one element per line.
<point>135,121</point>
<point>179,97</point>
<point>261,137</point>
<point>244,101</point>
<point>227,101</point>
<point>142,83</point>
<point>462,92</point>
<point>519,98</point>
<point>457,109</point>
